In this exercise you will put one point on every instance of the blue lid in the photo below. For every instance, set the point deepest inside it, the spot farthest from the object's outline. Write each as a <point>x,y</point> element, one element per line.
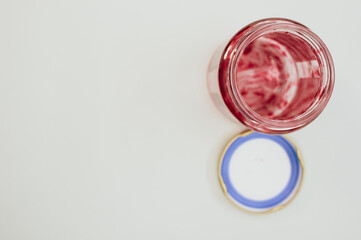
<point>260,173</point>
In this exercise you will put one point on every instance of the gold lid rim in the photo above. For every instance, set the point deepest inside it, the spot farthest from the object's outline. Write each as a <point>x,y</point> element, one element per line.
<point>272,209</point>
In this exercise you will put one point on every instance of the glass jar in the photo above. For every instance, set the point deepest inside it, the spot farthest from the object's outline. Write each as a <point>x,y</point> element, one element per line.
<point>274,76</point>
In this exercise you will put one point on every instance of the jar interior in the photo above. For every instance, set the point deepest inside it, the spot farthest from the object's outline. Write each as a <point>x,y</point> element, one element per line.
<point>279,75</point>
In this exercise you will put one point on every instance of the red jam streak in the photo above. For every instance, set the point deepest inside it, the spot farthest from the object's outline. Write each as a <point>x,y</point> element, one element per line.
<point>278,76</point>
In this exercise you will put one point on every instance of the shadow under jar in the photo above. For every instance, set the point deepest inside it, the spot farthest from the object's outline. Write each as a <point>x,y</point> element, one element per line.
<point>275,76</point>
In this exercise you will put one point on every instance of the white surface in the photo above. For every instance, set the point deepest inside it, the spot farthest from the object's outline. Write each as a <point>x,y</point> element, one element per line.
<point>83,83</point>
<point>259,169</point>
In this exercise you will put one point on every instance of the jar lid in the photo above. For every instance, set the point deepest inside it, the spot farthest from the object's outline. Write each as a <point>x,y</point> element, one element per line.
<point>260,173</point>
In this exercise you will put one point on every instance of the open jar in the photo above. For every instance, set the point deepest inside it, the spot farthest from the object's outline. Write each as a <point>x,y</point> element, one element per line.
<point>274,76</point>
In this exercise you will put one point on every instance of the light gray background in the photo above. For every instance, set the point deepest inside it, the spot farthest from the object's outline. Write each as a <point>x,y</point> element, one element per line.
<point>107,130</point>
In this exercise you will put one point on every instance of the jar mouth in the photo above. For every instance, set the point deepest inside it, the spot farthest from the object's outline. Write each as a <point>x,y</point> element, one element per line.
<point>237,47</point>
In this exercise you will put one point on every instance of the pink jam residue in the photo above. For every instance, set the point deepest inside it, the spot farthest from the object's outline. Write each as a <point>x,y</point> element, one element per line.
<point>278,76</point>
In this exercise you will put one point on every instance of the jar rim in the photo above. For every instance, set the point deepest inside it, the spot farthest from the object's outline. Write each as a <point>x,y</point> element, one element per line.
<point>235,48</point>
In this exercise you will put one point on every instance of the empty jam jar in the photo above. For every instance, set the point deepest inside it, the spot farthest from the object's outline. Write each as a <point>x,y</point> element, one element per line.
<point>274,76</point>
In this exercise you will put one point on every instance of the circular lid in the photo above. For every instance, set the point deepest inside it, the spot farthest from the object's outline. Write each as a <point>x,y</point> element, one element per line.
<point>260,173</point>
